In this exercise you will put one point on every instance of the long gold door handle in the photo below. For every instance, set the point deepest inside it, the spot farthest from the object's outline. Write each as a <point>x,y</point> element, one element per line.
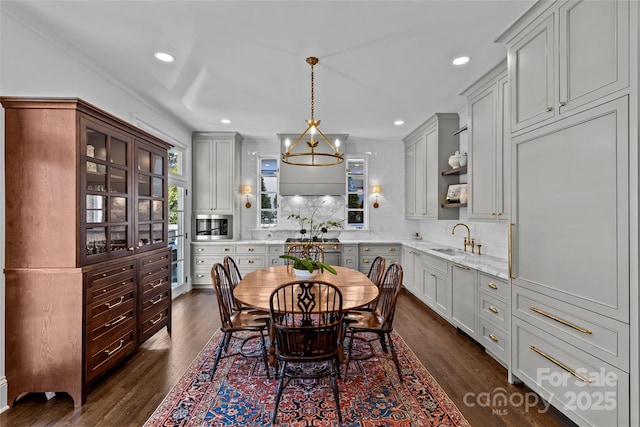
<point>560,364</point>
<point>559,320</point>
<point>511,275</point>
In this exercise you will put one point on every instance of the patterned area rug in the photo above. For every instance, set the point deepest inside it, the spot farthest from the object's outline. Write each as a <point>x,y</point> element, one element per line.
<point>239,394</point>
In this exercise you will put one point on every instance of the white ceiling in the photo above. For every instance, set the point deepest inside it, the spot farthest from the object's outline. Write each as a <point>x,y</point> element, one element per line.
<point>245,60</point>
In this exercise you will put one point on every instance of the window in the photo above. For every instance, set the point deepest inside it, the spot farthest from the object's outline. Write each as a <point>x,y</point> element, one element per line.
<point>268,191</point>
<point>356,193</point>
<point>177,220</point>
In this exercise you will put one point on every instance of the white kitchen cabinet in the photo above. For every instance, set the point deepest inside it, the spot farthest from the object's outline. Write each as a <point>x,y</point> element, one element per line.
<point>571,54</point>
<point>349,256</point>
<point>464,299</point>
<point>489,146</point>
<point>436,285</point>
<point>409,256</point>
<point>250,257</point>
<point>273,254</point>
<point>216,162</point>
<point>203,257</point>
<point>427,150</point>
<point>369,252</point>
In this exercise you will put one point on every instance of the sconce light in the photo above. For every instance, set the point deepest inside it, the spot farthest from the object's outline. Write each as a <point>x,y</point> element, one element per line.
<point>377,189</point>
<point>247,190</point>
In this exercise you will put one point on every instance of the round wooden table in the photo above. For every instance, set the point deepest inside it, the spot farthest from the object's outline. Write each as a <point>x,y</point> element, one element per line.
<point>256,287</point>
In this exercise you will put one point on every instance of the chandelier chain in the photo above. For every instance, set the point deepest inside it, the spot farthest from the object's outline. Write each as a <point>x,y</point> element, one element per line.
<point>312,91</point>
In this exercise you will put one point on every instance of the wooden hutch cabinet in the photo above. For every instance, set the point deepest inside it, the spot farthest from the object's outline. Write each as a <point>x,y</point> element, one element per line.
<point>87,264</point>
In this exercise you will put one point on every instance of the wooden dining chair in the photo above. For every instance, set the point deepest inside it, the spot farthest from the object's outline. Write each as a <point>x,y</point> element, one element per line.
<point>306,320</point>
<point>233,321</point>
<point>376,325</point>
<point>307,250</point>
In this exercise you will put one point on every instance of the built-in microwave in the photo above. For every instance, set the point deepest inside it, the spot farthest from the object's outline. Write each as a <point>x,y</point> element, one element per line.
<point>213,227</point>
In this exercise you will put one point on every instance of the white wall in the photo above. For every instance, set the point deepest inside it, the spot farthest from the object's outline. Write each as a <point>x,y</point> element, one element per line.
<point>35,64</point>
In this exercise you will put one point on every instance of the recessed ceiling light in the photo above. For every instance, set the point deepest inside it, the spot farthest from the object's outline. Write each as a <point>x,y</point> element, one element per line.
<point>461,60</point>
<point>225,121</point>
<point>164,57</point>
<point>398,122</point>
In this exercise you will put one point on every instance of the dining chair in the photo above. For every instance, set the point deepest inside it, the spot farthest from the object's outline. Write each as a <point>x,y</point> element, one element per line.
<point>306,322</point>
<point>235,276</point>
<point>306,250</point>
<point>233,321</point>
<point>377,325</point>
<point>375,275</point>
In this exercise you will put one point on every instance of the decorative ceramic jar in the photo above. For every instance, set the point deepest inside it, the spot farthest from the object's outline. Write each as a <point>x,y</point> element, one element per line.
<point>454,161</point>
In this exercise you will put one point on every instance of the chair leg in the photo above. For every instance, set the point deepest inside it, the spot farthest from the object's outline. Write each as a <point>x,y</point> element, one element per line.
<point>264,354</point>
<point>394,355</point>
<point>279,391</point>
<point>221,346</point>
<point>335,372</point>
<point>346,365</point>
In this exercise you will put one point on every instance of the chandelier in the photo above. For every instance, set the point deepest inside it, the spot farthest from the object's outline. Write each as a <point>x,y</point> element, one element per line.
<point>315,156</point>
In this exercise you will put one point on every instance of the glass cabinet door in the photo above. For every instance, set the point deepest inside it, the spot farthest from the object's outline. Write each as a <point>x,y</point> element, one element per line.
<point>151,197</point>
<point>106,227</point>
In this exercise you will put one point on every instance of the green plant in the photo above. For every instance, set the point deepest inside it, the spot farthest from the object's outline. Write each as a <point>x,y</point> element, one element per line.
<point>309,264</point>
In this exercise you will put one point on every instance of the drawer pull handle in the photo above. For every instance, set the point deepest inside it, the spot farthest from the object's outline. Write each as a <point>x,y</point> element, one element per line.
<point>109,305</point>
<point>115,321</point>
<point>200,249</point>
<point>494,338</point>
<point>365,261</point>
<point>200,261</point>
<point>200,276</point>
<point>492,285</point>
<point>493,309</point>
<point>366,249</point>
<point>156,301</point>
<point>250,249</point>
<point>104,274</point>
<point>392,249</point>
<point>464,267</point>
<point>250,261</point>
<point>226,249</point>
<point>110,352</point>
<point>560,364</point>
<point>153,322</point>
<point>557,319</point>
<point>155,285</point>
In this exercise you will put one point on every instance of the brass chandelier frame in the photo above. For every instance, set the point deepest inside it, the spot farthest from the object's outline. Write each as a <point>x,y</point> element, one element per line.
<point>316,158</point>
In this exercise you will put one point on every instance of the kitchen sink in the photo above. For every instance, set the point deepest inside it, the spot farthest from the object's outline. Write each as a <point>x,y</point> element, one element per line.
<point>448,251</point>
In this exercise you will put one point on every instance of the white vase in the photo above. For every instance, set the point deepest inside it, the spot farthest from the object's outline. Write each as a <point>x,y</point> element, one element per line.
<point>305,274</point>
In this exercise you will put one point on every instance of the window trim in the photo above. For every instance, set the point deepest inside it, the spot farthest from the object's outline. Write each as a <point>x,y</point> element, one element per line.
<point>365,198</point>
<point>261,157</point>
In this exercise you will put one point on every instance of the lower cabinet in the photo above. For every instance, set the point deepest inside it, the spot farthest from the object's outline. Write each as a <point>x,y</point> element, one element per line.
<point>436,284</point>
<point>464,303</point>
<point>369,252</point>
<point>349,256</point>
<point>203,257</point>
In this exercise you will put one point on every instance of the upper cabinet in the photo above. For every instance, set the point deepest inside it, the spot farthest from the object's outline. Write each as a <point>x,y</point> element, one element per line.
<point>489,146</point>
<point>427,150</point>
<point>573,53</point>
<point>216,162</point>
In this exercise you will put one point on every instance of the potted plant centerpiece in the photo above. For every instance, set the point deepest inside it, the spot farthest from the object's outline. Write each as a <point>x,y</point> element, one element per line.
<point>306,268</point>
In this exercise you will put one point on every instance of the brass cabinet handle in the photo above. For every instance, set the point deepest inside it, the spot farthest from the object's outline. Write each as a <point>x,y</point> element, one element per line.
<point>493,309</point>
<point>250,261</point>
<point>200,249</point>
<point>492,285</point>
<point>200,276</point>
<point>549,109</point>
<point>115,321</point>
<point>365,261</point>
<point>562,104</point>
<point>250,249</point>
<point>200,261</point>
<point>156,301</point>
<point>464,267</point>
<point>108,304</point>
<point>392,249</point>
<point>366,249</point>
<point>560,364</point>
<point>494,338</point>
<point>155,285</point>
<point>511,251</point>
<point>110,352</point>
<point>557,319</point>
<point>156,321</point>
<point>226,249</point>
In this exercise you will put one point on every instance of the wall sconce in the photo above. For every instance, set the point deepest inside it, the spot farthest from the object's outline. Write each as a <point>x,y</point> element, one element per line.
<point>377,189</point>
<point>247,190</point>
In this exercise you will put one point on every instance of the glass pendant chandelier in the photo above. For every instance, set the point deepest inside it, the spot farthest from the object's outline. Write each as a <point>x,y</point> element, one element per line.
<point>295,153</point>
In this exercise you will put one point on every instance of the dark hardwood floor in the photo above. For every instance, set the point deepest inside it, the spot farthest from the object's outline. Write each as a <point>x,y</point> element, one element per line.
<point>131,392</point>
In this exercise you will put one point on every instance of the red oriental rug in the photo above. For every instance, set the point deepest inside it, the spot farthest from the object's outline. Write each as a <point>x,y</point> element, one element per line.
<point>239,394</point>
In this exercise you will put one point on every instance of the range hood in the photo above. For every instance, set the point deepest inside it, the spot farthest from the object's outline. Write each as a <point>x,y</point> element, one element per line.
<point>313,180</point>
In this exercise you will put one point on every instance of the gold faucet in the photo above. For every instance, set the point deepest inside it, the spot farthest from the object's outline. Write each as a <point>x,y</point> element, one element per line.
<point>468,241</point>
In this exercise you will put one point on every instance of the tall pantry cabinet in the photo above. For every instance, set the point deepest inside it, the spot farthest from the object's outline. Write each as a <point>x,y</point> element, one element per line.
<point>574,288</point>
<point>87,265</point>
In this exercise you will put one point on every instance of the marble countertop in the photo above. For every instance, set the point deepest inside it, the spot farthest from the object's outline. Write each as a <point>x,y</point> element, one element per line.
<point>486,263</point>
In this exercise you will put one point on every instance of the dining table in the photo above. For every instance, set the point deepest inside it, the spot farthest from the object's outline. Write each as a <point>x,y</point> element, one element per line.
<point>255,288</point>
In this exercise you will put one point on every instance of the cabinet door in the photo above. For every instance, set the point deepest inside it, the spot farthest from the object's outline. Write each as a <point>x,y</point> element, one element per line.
<point>432,194</point>
<point>223,178</point>
<point>481,169</point>
<point>106,193</point>
<point>410,180</point>
<point>594,51</point>
<point>151,197</point>
<point>408,263</point>
<point>502,165</point>
<point>531,72</point>
<point>464,306</point>
<point>421,176</point>
<point>203,201</point>
<point>571,235</point>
